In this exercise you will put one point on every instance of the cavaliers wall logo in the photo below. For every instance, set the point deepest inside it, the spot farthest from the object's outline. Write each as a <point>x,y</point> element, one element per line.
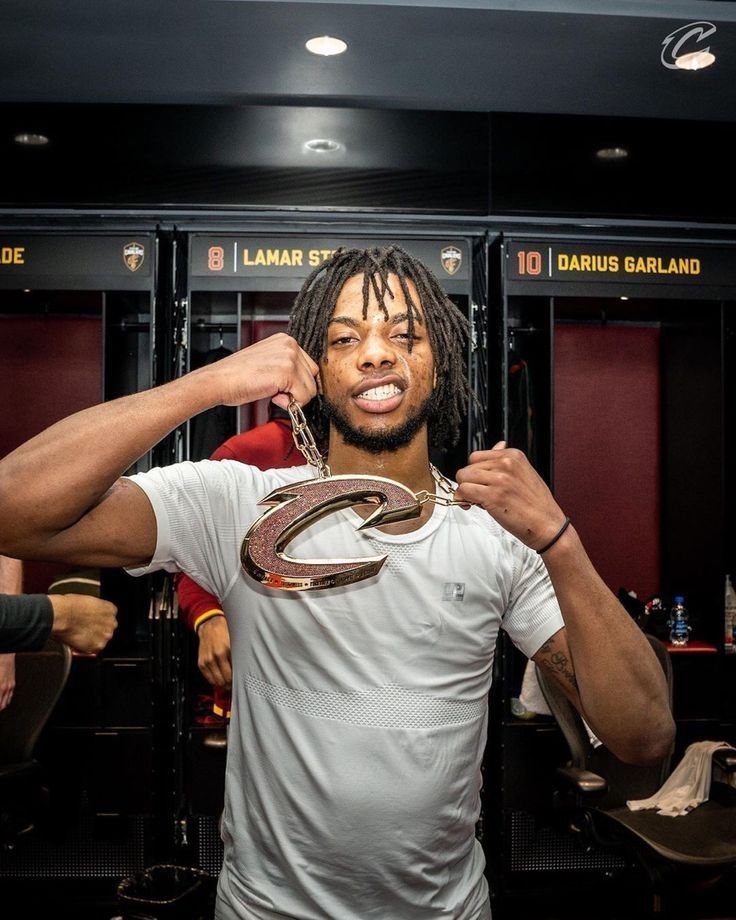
<point>133,255</point>
<point>451,259</point>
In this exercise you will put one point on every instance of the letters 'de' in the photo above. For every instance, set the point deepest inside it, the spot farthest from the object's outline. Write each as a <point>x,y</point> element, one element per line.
<point>296,506</point>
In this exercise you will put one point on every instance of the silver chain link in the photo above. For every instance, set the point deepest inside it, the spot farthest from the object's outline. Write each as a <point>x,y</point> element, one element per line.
<point>307,446</point>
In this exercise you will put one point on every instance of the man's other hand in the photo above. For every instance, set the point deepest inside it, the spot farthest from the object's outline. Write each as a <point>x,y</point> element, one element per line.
<point>82,622</point>
<point>214,652</point>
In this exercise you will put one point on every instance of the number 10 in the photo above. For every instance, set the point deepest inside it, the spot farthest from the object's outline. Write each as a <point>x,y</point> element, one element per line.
<point>530,263</point>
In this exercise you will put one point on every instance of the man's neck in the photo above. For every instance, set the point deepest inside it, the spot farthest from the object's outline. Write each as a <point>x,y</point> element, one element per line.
<point>408,465</point>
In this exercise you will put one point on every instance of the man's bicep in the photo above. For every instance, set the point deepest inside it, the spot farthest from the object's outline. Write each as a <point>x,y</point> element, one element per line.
<point>556,661</point>
<point>119,531</point>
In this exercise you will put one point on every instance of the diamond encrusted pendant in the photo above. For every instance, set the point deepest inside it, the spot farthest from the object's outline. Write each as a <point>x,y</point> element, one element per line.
<point>296,506</point>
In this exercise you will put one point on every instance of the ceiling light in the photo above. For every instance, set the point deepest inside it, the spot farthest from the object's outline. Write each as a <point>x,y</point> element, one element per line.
<point>326,46</point>
<point>695,60</point>
<point>612,153</point>
<point>323,145</point>
<point>31,140</point>
<point>623,298</point>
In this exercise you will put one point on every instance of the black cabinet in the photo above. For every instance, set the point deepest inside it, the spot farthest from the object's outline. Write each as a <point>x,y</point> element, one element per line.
<point>127,692</point>
<point>206,756</point>
<point>99,771</point>
<point>107,693</point>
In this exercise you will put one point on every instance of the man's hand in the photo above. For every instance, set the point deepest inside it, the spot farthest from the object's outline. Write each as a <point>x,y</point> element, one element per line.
<point>84,623</point>
<point>7,680</point>
<point>506,485</point>
<point>274,367</point>
<point>214,652</point>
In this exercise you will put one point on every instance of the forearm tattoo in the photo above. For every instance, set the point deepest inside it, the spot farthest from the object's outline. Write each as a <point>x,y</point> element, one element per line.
<point>557,662</point>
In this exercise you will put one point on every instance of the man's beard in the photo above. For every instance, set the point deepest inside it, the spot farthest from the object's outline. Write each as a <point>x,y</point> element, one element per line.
<point>377,442</point>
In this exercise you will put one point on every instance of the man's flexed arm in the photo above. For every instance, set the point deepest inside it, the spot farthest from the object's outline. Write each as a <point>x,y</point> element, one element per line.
<point>60,493</point>
<point>618,682</point>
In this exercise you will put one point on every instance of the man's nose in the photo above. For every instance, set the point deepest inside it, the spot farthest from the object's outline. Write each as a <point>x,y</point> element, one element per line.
<point>376,350</point>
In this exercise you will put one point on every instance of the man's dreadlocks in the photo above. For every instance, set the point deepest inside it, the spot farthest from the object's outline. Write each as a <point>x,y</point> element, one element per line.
<point>446,327</point>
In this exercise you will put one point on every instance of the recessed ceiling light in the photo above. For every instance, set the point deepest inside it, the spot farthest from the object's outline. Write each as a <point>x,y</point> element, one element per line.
<point>612,153</point>
<point>323,145</point>
<point>31,140</point>
<point>695,60</point>
<point>326,45</point>
<point>623,298</point>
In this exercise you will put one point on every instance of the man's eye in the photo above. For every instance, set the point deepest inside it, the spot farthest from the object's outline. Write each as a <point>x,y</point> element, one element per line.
<point>406,336</point>
<point>343,340</point>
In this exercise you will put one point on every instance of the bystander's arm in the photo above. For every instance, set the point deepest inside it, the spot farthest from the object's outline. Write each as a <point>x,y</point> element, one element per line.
<point>11,582</point>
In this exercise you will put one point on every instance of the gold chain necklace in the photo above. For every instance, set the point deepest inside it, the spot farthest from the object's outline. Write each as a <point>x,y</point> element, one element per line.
<point>294,507</point>
<point>307,446</point>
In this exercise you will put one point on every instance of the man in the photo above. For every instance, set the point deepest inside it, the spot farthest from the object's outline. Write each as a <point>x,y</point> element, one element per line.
<point>11,582</point>
<point>359,712</point>
<point>267,446</point>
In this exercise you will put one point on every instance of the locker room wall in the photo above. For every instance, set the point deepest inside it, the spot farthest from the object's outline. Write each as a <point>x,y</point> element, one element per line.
<point>607,448</point>
<point>52,366</point>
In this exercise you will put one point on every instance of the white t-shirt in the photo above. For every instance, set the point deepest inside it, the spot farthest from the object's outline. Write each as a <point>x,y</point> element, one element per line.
<point>359,713</point>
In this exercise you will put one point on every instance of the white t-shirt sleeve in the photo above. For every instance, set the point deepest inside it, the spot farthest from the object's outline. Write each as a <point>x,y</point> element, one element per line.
<point>203,511</point>
<point>533,614</point>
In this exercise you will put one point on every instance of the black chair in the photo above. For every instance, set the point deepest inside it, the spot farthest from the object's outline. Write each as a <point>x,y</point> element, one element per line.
<point>592,791</point>
<point>39,679</point>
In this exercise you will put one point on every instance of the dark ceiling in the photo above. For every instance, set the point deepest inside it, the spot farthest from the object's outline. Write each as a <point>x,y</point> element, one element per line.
<point>209,103</point>
<point>585,58</point>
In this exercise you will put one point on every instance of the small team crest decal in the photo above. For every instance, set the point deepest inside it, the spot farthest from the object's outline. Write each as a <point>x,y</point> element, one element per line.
<point>133,255</point>
<point>451,259</point>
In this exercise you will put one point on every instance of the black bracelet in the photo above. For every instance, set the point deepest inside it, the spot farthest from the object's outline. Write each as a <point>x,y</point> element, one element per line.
<point>556,537</point>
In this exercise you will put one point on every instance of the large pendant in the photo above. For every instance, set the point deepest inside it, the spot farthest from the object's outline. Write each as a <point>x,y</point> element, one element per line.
<point>294,507</point>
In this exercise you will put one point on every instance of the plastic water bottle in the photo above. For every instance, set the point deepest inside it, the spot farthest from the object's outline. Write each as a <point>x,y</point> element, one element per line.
<point>729,617</point>
<point>679,622</point>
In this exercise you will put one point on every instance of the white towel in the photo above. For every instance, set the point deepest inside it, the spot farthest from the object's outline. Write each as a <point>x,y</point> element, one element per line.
<point>531,696</point>
<point>688,784</point>
<point>532,699</point>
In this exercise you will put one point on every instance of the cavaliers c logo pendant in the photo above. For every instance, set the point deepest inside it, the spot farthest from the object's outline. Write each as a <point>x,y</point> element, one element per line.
<point>294,507</point>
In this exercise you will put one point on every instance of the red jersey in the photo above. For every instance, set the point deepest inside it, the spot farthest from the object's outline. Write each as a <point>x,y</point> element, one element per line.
<point>268,446</point>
